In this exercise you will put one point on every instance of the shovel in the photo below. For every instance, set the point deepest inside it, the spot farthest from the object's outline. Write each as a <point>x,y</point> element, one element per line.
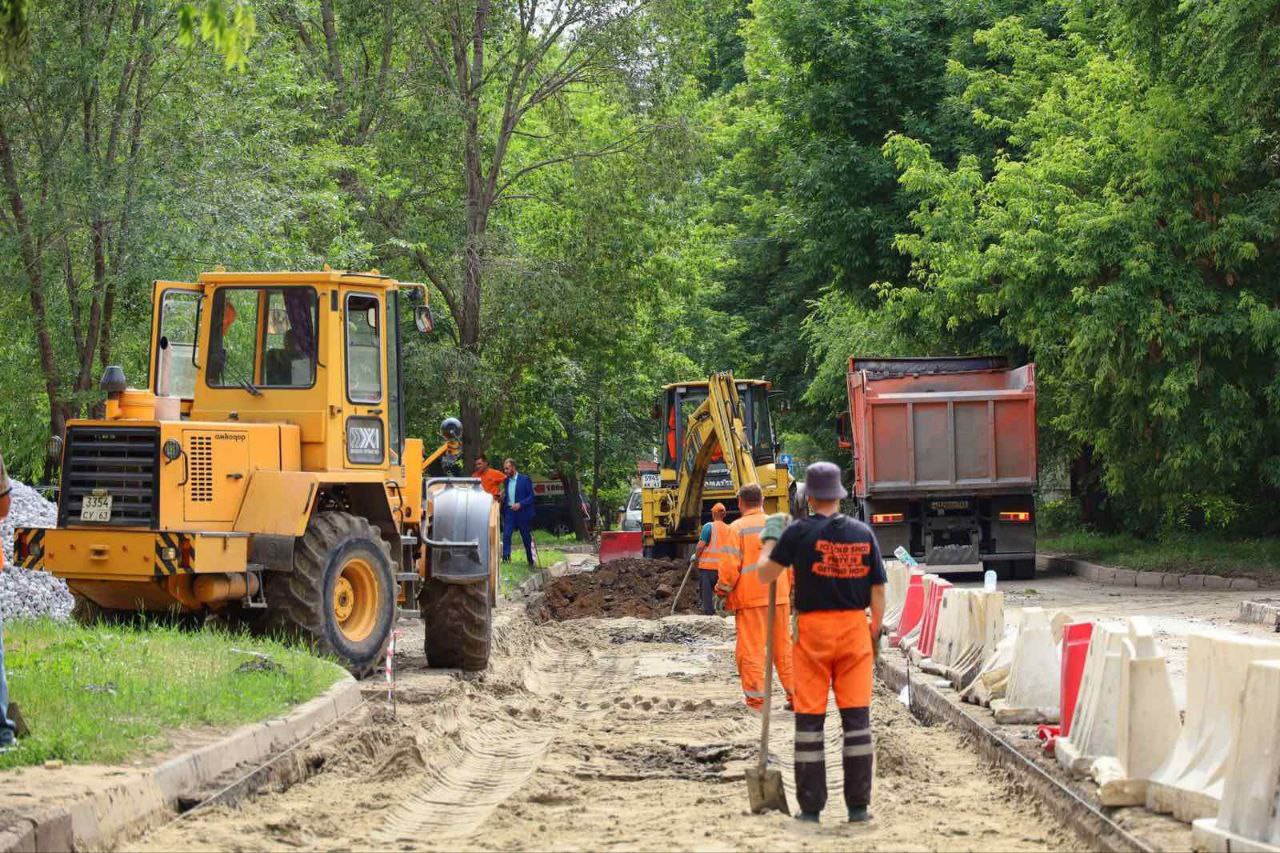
<point>692,559</point>
<point>764,786</point>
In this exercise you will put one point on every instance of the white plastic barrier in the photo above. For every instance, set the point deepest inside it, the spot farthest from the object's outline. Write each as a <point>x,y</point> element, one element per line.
<point>1147,722</point>
<point>1031,695</point>
<point>898,575</point>
<point>1248,818</point>
<point>1189,784</point>
<point>912,637</point>
<point>970,626</point>
<point>993,676</point>
<point>1094,721</point>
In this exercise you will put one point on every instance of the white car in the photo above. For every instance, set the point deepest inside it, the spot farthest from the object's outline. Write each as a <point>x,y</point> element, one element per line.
<point>631,512</point>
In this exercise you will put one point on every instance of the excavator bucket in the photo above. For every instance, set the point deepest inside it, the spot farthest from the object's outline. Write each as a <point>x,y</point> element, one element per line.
<point>617,544</point>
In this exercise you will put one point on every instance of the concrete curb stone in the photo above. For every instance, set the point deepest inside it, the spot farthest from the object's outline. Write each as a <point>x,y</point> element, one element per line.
<point>1259,613</point>
<point>133,801</point>
<point>1132,577</point>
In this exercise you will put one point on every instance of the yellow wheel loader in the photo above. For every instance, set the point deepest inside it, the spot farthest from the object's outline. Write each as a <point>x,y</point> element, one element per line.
<point>264,475</point>
<point>718,437</point>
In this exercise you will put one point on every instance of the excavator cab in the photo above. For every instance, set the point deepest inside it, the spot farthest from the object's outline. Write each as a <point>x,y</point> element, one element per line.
<point>717,435</point>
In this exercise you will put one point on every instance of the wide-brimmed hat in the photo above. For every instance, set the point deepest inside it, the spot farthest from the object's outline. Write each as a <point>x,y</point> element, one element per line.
<point>822,482</point>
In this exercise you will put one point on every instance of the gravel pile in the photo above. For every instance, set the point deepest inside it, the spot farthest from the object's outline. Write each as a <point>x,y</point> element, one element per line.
<point>24,593</point>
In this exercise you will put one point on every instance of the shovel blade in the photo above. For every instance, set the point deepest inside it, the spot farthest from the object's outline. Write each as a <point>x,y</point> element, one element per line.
<point>764,788</point>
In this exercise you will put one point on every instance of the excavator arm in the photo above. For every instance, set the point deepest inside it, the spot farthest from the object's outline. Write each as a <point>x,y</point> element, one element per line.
<point>718,423</point>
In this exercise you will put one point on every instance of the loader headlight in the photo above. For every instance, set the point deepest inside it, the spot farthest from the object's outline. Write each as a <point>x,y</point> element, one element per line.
<point>171,449</point>
<point>54,447</point>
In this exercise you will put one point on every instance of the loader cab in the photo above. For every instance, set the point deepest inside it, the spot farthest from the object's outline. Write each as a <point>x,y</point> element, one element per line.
<point>321,351</point>
<point>679,401</point>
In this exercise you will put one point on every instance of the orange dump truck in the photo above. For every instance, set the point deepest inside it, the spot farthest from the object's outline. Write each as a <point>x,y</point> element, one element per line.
<point>944,459</point>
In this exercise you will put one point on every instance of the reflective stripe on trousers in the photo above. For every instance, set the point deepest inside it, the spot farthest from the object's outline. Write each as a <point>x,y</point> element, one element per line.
<point>856,759</point>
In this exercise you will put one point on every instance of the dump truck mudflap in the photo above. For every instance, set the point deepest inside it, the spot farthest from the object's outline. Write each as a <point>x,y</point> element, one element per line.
<point>459,534</point>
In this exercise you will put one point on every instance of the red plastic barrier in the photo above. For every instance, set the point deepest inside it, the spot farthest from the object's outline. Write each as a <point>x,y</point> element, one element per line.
<point>1075,650</point>
<point>912,607</point>
<point>616,544</point>
<point>933,610</point>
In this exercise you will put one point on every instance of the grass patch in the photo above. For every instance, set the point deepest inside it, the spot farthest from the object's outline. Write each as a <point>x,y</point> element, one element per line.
<point>514,573</point>
<point>108,694</point>
<point>1203,553</point>
<point>546,537</point>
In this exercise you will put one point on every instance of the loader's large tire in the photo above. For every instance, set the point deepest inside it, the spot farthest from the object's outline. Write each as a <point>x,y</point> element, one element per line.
<point>341,595</point>
<point>459,624</point>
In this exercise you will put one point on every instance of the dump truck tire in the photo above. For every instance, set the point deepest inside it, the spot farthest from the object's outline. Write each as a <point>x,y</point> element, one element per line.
<point>459,622</point>
<point>341,595</point>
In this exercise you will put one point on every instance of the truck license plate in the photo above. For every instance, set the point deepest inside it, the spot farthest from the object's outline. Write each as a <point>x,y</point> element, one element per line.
<point>96,508</point>
<point>651,481</point>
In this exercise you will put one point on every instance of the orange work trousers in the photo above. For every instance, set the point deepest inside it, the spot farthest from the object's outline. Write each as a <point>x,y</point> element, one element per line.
<point>752,623</point>
<point>833,651</point>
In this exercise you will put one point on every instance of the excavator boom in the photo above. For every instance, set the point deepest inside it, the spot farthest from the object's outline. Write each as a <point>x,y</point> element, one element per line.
<point>727,424</point>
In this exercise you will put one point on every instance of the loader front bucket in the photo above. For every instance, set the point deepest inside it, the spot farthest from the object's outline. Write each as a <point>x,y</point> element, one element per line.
<point>617,544</point>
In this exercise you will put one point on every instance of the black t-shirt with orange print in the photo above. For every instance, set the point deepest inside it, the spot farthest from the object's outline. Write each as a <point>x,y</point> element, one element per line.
<point>836,561</point>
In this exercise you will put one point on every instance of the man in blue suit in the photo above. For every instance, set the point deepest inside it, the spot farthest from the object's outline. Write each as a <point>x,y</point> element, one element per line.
<point>517,511</point>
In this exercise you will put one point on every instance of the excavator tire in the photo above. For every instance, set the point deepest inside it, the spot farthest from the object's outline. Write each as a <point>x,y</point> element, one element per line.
<point>341,595</point>
<point>459,623</point>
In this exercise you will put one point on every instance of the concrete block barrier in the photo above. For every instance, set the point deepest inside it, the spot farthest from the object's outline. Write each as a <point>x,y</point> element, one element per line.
<point>1189,784</point>
<point>1031,695</point>
<point>1147,722</point>
<point>1093,727</point>
<point>1248,819</point>
<point>1260,613</point>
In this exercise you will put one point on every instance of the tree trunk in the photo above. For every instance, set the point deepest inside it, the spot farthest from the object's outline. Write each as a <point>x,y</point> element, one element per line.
<point>573,494</point>
<point>596,464</point>
<point>1087,489</point>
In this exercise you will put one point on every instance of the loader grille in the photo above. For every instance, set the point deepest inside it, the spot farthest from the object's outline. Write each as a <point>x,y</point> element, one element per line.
<point>119,460</point>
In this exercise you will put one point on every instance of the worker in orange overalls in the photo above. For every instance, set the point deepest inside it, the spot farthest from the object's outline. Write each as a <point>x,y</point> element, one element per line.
<point>748,599</point>
<point>839,576</point>
<point>491,479</point>
<point>711,544</point>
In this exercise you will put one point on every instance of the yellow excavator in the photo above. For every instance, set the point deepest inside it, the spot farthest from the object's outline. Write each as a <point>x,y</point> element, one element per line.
<point>718,437</point>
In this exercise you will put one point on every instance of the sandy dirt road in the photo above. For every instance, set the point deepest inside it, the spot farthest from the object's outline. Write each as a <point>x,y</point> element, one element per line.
<point>602,734</point>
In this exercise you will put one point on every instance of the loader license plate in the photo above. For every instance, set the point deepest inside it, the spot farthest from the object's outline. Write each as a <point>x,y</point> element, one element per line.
<point>96,508</point>
<point>650,481</point>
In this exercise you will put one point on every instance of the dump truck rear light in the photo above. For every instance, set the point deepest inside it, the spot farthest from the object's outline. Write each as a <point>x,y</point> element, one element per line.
<point>20,550</point>
<point>188,554</point>
<point>647,528</point>
<point>1015,516</point>
<point>886,517</point>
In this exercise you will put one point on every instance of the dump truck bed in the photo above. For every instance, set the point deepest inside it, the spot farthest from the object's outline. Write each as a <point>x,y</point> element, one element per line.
<point>949,425</point>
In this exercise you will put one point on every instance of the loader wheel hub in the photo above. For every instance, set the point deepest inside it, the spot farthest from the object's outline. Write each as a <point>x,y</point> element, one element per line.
<point>355,600</point>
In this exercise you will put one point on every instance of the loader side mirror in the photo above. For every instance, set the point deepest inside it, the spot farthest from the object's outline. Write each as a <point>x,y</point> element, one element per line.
<point>424,319</point>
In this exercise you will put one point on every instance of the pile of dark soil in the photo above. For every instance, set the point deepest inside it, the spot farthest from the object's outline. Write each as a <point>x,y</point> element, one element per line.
<point>631,586</point>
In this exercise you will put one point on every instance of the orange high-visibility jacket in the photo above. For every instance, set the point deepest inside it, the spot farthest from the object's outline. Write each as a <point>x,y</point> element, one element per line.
<point>712,555</point>
<point>742,552</point>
